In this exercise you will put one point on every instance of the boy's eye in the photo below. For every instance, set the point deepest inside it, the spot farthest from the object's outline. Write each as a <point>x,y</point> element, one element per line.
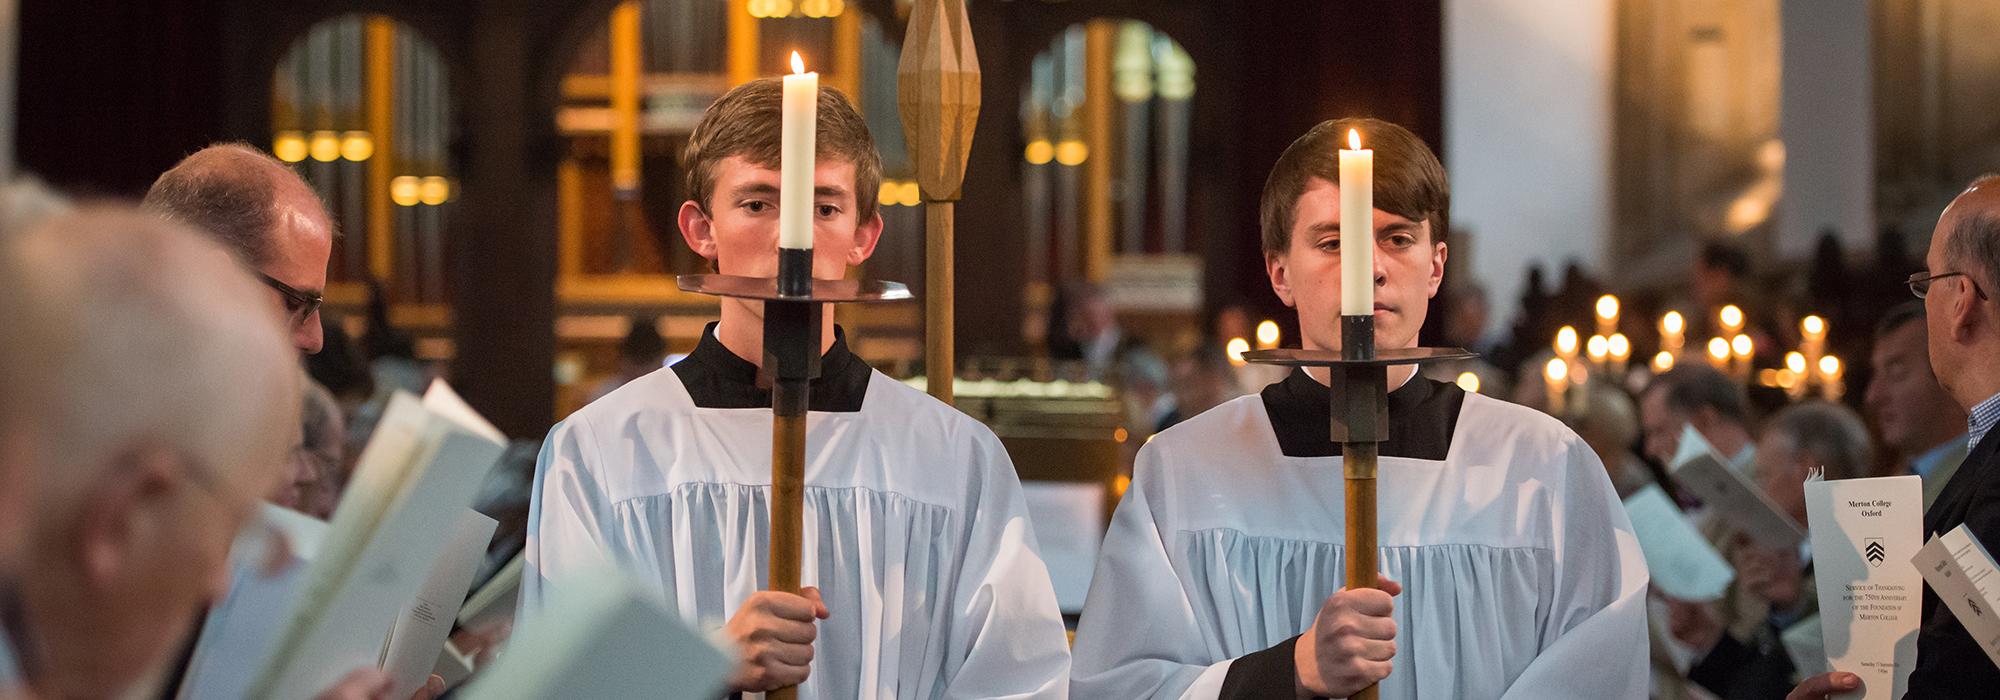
<point>828,210</point>
<point>756,206</point>
<point>1330,244</point>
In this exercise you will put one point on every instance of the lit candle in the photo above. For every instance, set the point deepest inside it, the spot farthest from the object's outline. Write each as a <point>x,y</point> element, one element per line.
<point>1566,343</point>
<point>1732,320</point>
<point>1718,353</point>
<point>1556,375</point>
<point>1662,362</point>
<point>1672,328</point>
<point>1813,328</point>
<point>1607,315</point>
<point>1469,382</point>
<point>1357,228</point>
<point>1598,348</point>
<point>1741,348</point>
<point>796,149</point>
<point>1829,370</point>
<point>1621,352</point>
<point>1267,335</point>
<point>1235,349</point>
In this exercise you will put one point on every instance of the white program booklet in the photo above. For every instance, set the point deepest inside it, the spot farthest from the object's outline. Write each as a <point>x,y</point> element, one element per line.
<point>424,625</point>
<point>1069,520</point>
<point>1959,568</point>
<point>1730,495</point>
<point>1864,532</point>
<point>421,468</point>
<point>603,636</point>
<point>1684,565</point>
<point>268,565</point>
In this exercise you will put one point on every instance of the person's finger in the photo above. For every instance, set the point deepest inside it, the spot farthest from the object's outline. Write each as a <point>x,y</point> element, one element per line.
<point>779,675</point>
<point>358,684</point>
<point>787,606</point>
<point>1388,585</point>
<point>1368,601</point>
<point>1368,649</point>
<point>1365,627</point>
<point>777,653</point>
<point>1820,686</point>
<point>790,632</point>
<point>819,604</point>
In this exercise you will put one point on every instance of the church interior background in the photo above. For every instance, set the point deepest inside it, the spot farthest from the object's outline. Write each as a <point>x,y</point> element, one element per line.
<point>506,173</point>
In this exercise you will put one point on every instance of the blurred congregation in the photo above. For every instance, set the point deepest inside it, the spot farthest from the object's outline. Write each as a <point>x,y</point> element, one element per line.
<point>1667,219</point>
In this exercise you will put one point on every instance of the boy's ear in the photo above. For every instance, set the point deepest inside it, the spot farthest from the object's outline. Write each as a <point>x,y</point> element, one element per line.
<point>866,236</point>
<point>697,229</point>
<point>1274,265</point>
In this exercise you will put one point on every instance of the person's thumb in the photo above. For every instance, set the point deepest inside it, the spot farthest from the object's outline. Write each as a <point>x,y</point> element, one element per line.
<point>819,605</point>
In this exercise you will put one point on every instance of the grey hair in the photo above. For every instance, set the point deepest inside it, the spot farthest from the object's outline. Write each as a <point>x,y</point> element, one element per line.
<point>125,331</point>
<point>1830,434</point>
<point>1975,240</point>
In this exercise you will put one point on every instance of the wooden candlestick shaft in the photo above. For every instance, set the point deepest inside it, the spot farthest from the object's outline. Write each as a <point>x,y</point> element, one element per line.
<point>939,319</point>
<point>1358,460</point>
<point>788,488</point>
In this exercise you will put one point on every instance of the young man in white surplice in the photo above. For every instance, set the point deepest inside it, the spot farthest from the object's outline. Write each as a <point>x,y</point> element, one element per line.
<point>1509,568</point>
<point>924,580</point>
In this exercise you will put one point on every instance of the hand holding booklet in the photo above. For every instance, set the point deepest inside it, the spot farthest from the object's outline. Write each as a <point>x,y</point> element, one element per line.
<point>1731,496</point>
<point>1863,534</point>
<point>391,534</point>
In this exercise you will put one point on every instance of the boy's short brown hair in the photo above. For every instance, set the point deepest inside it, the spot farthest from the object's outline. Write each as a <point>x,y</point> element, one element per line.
<point>1409,180</point>
<point>746,121</point>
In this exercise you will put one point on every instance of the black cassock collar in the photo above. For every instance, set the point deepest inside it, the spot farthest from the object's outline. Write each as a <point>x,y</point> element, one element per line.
<point>717,378</point>
<point>1422,415</point>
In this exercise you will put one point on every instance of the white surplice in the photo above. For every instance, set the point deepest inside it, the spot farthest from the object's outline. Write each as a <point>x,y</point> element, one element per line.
<point>916,531</point>
<point>1521,576</point>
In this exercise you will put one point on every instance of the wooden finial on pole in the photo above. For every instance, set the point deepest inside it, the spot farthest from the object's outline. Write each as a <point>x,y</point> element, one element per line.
<point>937,89</point>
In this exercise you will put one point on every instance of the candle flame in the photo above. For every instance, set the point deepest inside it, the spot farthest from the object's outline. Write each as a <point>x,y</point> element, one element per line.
<point>1796,362</point>
<point>1353,140</point>
<point>798,64</point>
<point>1829,366</point>
<point>1469,382</point>
<point>1741,345</point>
<point>1813,325</point>
<point>1607,307</point>
<point>1556,370</point>
<point>1672,323</point>
<point>1566,340</point>
<point>1663,361</point>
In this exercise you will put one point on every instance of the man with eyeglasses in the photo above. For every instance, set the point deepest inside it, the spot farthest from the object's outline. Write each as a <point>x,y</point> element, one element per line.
<point>1962,320</point>
<point>264,213</point>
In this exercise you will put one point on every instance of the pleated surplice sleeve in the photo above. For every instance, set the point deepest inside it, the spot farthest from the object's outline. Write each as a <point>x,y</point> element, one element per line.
<point>567,514</point>
<point>1593,643</point>
<point>1139,637</point>
<point>1007,638</point>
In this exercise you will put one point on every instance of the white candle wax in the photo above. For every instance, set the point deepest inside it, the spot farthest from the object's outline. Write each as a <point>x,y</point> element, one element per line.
<point>1357,228</point>
<point>796,151</point>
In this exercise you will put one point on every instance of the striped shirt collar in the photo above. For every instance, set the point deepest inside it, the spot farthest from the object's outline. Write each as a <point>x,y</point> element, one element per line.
<point>1981,419</point>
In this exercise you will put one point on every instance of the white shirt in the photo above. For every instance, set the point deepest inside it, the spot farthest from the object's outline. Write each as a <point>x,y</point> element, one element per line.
<point>916,532</point>
<point>1521,576</point>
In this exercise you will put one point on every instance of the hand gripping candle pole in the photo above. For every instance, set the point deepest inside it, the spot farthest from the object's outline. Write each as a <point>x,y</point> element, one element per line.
<point>1358,373</point>
<point>793,302</point>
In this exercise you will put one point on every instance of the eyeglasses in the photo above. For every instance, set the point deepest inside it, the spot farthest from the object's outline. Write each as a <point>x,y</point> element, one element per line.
<point>299,305</point>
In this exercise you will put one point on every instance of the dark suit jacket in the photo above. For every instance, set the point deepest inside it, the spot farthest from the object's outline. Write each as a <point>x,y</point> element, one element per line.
<point>1949,663</point>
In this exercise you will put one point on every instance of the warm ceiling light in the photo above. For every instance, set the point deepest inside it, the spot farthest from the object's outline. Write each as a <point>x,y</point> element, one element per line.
<point>289,146</point>
<point>325,146</point>
<point>356,146</point>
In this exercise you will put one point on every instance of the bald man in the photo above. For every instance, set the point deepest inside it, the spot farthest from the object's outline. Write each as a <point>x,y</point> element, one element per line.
<point>263,212</point>
<point>1959,284</point>
<point>165,412</point>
